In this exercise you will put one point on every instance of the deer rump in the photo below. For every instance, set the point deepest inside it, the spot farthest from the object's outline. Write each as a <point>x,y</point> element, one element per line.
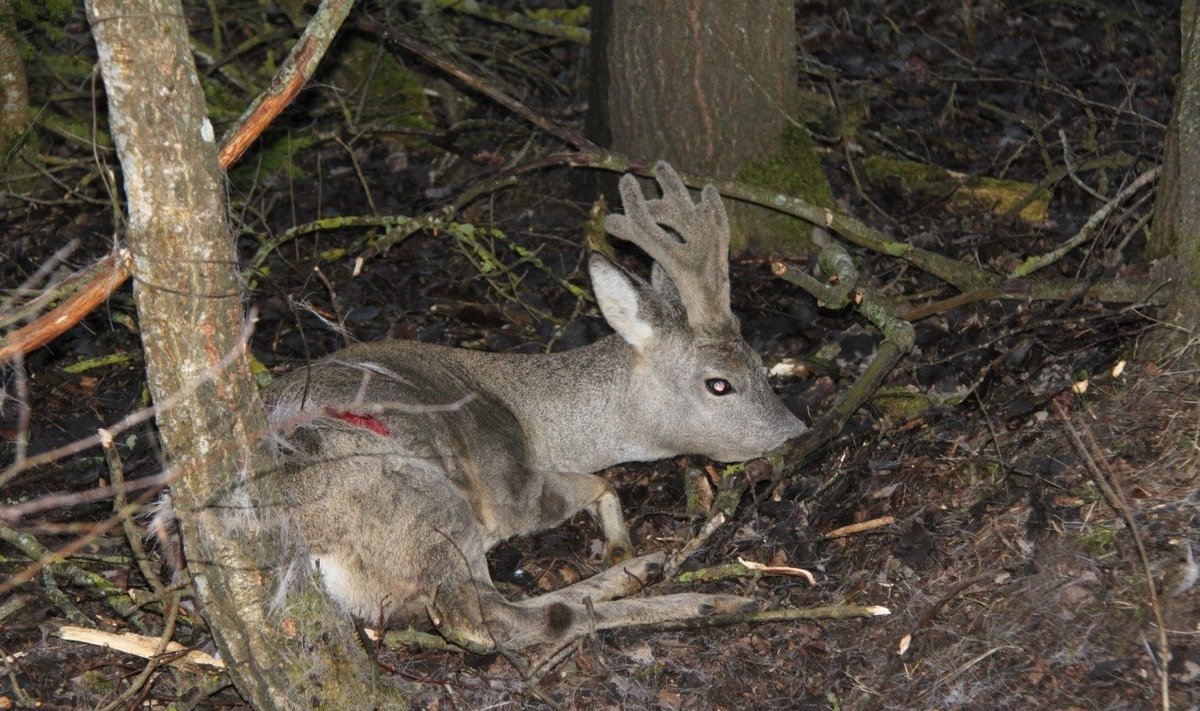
<point>401,464</point>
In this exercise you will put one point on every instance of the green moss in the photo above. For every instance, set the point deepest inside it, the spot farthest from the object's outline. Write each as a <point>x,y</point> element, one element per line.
<point>95,681</point>
<point>577,16</point>
<point>934,182</point>
<point>651,671</point>
<point>274,156</point>
<point>46,16</point>
<point>68,68</point>
<point>1101,541</point>
<point>394,95</point>
<point>794,170</point>
<point>223,104</point>
<point>905,404</point>
<point>65,126</point>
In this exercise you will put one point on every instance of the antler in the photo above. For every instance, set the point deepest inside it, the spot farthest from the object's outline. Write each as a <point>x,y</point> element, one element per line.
<point>699,265</point>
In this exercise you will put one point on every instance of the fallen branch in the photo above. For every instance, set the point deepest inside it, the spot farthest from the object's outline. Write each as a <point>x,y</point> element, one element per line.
<point>741,569</point>
<point>960,275</point>
<point>828,612</point>
<point>95,284</point>
<point>140,646</point>
<point>46,559</point>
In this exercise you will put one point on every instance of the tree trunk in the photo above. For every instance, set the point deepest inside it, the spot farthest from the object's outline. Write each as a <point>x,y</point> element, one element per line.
<point>1176,231</point>
<point>14,90</point>
<point>190,309</point>
<point>710,86</point>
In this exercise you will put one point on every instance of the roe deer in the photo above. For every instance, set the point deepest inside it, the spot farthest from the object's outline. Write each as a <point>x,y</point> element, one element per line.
<point>403,463</point>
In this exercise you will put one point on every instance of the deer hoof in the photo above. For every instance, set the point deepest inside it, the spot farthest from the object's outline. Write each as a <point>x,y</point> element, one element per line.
<point>617,552</point>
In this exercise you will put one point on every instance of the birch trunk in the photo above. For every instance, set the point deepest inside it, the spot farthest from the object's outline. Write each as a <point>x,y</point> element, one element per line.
<point>190,308</point>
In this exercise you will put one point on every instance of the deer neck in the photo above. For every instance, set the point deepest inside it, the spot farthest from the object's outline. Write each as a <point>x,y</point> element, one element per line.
<point>578,408</point>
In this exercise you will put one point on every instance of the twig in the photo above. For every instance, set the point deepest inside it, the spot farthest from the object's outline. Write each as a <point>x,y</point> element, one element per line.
<point>856,528</point>
<point>60,599</point>
<point>1115,495</point>
<point>675,561</point>
<point>1032,264</point>
<point>1069,163</point>
<point>13,605</point>
<point>293,74</point>
<point>987,418</point>
<point>437,218</point>
<point>24,411</point>
<point>567,135</point>
<point>912,314</point>
<point>742,569</point>
<point>44,270</point>
<point>46,559</point>
<point>112,271</point>
<point>10,670</point>
<point>957,274</point>
<point>898,339</point>
<point>132,535</point>
<point>130,420</point>
<point>106,275</point>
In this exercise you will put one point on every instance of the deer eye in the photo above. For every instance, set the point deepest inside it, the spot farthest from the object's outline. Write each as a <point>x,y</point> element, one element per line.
<point>718,386</point>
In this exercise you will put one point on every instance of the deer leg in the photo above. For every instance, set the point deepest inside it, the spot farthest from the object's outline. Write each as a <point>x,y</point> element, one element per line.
<point>478,618</point>
<point>596,495</point>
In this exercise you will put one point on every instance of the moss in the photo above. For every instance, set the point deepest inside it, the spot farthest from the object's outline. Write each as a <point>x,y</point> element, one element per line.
<point>224,105</point>
<point>274,156</point>
<point>394,95</point>
<point>575,16</point>
<point>64,126</point>
<point>934,182</point>
<point>1100,540</point>
<point>97,682</point>
<point>649,672</point>
<point>794,170</point>
<point>903,403</point>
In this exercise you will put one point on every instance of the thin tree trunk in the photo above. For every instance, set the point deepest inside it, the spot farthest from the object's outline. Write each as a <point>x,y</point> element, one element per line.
<point>1177,207</point>
<point>190,309</point>
<point>14,90</point>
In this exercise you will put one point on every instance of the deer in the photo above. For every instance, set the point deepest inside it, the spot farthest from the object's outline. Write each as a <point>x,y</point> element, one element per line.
<point>399,464</point>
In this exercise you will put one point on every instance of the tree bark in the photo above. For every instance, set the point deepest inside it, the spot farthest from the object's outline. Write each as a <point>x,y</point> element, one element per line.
<point>14,89</point>
<point>710,86</point>
<point>189,303</point>
<point>1176,231</point>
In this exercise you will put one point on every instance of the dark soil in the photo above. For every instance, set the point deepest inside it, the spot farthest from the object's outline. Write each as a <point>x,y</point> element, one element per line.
<point>1012,582</point>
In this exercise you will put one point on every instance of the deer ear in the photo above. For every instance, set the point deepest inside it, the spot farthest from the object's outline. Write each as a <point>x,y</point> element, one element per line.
<point>621,296</point>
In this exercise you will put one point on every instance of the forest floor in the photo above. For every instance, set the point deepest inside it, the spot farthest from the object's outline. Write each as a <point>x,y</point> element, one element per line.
<point>1013,579</point>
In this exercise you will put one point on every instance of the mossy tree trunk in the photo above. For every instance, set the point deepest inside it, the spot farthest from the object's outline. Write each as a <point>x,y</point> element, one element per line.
<point>190,309</point>
<point>14,89</point>
<point>710,86</point>
<point>1176,231</point>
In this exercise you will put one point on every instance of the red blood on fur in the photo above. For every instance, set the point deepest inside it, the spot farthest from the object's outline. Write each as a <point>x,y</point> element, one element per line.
<point>368,422</point>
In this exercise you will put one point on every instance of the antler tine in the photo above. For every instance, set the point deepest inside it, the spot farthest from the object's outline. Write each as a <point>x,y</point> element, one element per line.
<point>699,264</point>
